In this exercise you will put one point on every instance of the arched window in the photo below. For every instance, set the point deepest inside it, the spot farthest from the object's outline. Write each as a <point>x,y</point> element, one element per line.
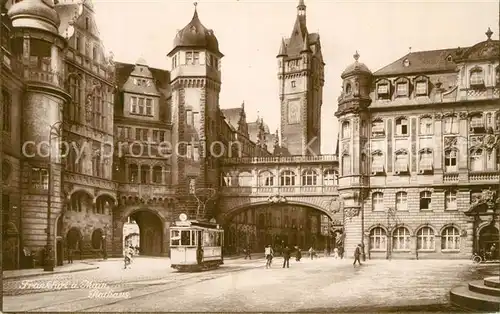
<point>426,162</point>
<point>378,162</point>
<point>97,239</point>
<point>98,108</point>
<point>426,126</point>
<point>157,175</point>
<point>346,129</point>
<point>245,179</point>
<point>450,160</point>
<point>450,200</point>
<point>97,164</point>
<point>287,178</point>
<point>348,89</point>
<point>401,239</point>
<point>401,201</point>
<point>346,165</point>
<point>133,173</point>
<point>309,177</point>
<point>450,239</point>
<point>266,178</point>
<point>378,201</point>
<point>425,239</point>
<point>476,160</point>
<point>145,174</point>
<point>476,78</point>
<point>330,177</point>
<point>401,162</point>
<point>425,200</point>
<point>378,239</point>
<point>226,179</point>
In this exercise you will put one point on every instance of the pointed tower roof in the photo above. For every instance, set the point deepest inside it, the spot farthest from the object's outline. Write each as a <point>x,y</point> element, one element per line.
<point>282,52</point>
<point>141,61</point>
<point>196,35</point>
<point>299,32</point>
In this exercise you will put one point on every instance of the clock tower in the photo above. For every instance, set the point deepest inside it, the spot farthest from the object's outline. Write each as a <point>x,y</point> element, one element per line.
<point>301,80</point>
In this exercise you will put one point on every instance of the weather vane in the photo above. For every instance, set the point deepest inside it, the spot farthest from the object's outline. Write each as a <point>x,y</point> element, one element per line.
<point>195,4</point>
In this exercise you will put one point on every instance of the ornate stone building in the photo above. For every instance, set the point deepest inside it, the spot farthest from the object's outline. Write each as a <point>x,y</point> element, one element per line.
<point>419,150</point>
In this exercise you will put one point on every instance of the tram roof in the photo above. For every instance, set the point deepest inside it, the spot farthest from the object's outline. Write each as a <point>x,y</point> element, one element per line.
<point>195,223</point>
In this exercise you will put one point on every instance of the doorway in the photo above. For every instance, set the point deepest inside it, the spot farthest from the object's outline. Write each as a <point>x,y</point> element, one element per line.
<point>488,236</point>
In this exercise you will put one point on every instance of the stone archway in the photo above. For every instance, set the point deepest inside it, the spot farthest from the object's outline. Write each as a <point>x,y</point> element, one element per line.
<point>152,227</point>
<point>488,236</point>
<point>279,224</point>
<point>74,241</point>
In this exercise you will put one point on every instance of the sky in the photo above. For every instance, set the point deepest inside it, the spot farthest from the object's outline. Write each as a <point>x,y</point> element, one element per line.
<point>250,32</point>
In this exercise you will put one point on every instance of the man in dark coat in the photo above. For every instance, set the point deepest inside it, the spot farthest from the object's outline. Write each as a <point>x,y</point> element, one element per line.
<point>357,254</point>
<point>286,257</point>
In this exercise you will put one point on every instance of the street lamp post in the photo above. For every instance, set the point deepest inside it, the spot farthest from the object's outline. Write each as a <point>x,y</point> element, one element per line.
<point>104,249</point>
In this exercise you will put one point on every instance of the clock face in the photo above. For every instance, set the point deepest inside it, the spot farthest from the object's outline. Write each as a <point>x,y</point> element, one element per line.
<point>294,112</point>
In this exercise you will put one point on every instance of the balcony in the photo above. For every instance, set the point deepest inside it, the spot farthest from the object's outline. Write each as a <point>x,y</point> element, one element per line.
<point>146,191</point>
<point>484,176</point>
<point>83,179</point>
<point>34,74</point>
<point>281,190</point>
<point>279,160</point>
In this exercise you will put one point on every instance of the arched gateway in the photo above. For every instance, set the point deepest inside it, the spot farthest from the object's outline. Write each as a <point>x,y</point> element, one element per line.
<point>152,226</point>
<point>278,221</point>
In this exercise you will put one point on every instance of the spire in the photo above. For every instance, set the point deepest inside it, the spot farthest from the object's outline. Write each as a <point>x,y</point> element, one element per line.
<point>301,8</point>
<point>356,56</point>
<point>282,52</point>
<point>258,117</point>
<point>243,105</point>
<point>276,139</point>
<point>338,144</point>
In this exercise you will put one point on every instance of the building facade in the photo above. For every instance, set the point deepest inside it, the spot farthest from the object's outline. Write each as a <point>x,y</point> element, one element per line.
<point>419,151</point>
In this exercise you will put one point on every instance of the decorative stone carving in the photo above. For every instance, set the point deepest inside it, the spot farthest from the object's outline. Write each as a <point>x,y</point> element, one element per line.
<point>463,115</point>
<point>450,142</point>
<point>438,116</point>
<point>276,199</point>
<point>351,212</point>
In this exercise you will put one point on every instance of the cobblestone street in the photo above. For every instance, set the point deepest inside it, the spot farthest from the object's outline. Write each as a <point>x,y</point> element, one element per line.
<point>324,284</point>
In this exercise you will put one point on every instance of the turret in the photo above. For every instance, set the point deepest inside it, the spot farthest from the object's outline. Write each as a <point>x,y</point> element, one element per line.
<point>35,31</point>
<point>196,81</point>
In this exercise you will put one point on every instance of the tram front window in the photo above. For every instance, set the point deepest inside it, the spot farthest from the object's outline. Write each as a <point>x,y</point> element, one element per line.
<point>175,238</point>
<point>185,237</point>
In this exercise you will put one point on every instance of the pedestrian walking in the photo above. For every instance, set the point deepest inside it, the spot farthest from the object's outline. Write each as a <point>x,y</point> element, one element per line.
<point>268,251</point>
<point>70,256</point>
<point>248,252</point>
<point>357,254</point>
<point>286,257</point>
<point>336,253</point>
<point>493,250</point>
<point>341,252</point>
<point>311,253</point>
<point>298,255</point>
<point>127,253</point>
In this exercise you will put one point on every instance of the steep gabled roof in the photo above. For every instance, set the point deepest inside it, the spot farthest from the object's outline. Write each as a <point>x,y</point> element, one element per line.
<point>232,116</point>
<point>422,61</point>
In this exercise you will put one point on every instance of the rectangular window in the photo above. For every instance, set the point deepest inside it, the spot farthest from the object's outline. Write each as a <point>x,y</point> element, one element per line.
<point>149,107</point>
<point>196,153</point>
<point>174,62</point>
<point>189,151</point>
<point>196,57</point>
<point>421,88</point>
<point>476,122</point>
<point>140,105</point>
<point>402,127</point>
<point>40,178</point>
<point>383,89</point>
<point>7,110</point>
<point>133,105</point>
<point>425,200</point>
<point>402,89</point>
<point>451,200</point>
<point>293,84</point>
<point>189,57</point>
<point>175,237</point>
<point>156,135</point>
<point>189,117</point>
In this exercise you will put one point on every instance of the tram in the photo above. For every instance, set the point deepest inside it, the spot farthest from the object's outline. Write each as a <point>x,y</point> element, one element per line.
<point>195,245</point>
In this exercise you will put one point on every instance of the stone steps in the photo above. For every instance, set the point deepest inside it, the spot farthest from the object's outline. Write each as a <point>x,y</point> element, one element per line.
<point>478,295</point>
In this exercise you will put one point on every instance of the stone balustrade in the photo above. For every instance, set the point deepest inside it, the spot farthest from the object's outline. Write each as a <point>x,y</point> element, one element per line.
<point>148,191</point>
<point>83,179</point>
<point>280,160</point>
<point>279,190</point>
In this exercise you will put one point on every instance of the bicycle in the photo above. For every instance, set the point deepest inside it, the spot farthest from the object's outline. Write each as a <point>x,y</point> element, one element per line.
<point>476,259</point>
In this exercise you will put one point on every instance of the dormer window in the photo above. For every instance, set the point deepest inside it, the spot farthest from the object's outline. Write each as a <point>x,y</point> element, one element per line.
<point>402,89</point>
<point>402,126</point>
<point>421,88</point>
<point>383,90</point>
<point>476,78</point>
